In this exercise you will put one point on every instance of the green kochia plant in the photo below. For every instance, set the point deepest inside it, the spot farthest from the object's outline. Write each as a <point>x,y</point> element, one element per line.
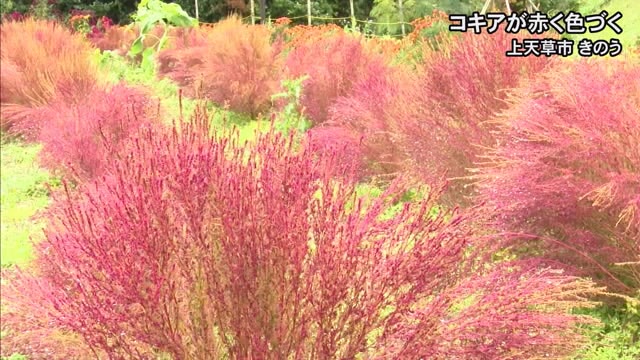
<point>151,13</point>
<point>291,116</point>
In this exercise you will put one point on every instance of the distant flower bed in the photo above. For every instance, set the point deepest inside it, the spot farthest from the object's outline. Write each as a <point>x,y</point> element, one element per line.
<point>86,22</point>
<point>81,21</point>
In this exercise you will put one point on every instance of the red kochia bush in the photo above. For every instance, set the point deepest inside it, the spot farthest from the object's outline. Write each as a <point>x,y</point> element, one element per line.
<point>236,66</point>
<point>36,58</point>
<point>186,37</point>
<point>569,168</point>
<point>115,38</point>
<point>362,112</point>
<point>80,139</point>
<point>333,65</point>
<point>205,249</point>
<point>441,117</point>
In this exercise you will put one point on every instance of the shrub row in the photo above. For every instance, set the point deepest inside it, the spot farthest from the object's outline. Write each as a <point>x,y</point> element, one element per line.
<point>181,242</point>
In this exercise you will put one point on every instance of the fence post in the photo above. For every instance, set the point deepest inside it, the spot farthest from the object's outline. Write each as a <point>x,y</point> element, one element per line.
<point>197,17</point>
<point>486,6</point>
<point>263,12</point>
<point>253,12</point>
<point>401,16</point>
<point>353,15</point>
<point>506,2</point>
<point>309,12</point>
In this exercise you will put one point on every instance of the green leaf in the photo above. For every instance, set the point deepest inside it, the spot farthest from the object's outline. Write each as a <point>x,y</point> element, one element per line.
<point>150,21</point>
<point>136,47</point>
<point>147,62</point>
<point>153,12</point>
<point>176,16</point>
<point>162,41</point>
<point>179,20</point>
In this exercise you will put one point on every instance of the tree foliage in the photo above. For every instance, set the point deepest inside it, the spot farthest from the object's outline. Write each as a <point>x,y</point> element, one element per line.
<point>365,10</point>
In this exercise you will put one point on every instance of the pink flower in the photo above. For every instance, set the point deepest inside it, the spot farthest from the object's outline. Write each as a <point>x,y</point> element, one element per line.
<point>16,16</point>
<point>106,22</point>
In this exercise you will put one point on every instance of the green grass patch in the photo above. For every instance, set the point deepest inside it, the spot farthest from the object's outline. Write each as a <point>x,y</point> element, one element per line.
<point>23,192</point>
<point>119,69</point>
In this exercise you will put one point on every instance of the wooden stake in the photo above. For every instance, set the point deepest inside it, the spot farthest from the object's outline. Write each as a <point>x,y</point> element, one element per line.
<point>263,12</point>
<point>401,16</point>
<point>253,12</point>
<point>486,6</point>
<point>353,15</point>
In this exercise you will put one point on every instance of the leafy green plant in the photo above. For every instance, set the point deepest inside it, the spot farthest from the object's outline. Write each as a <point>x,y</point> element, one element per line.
<point>80,23</point>
<point>618,338</point>
<point>41,9</point>
<point>150,14</point>
<point>9,6</point>
<point>292,115</point>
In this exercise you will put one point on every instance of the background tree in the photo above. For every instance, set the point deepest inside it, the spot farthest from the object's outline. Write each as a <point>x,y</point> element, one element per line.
<point>214,10</point>
<point>385,11</point>
<point>388,11</point>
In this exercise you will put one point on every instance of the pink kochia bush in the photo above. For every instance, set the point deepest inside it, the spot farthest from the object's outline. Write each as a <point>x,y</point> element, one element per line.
<point>200,248</point>
<point>333,65</point>
<point>37,58</point>
<point>361,117</point>
<point>441,117</point>
<point>234,65</point>
<point>81,138</point>
<point>568,169</point>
